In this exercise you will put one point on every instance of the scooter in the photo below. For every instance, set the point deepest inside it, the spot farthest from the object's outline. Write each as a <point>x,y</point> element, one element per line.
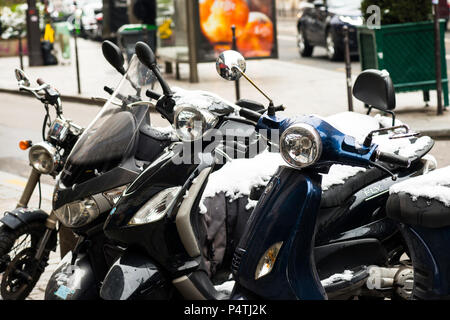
<point>138,221</point>
<point>116,147</point>
<point>420,206</point>
<point>22,259</point>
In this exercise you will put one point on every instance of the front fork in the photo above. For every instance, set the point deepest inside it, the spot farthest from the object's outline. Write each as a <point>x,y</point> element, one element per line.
<point>50,225</point>
<point>51,221</point>
<point>33,180</point>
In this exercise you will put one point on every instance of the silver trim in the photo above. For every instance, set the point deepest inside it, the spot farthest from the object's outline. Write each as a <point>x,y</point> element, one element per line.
<point>183,220</point>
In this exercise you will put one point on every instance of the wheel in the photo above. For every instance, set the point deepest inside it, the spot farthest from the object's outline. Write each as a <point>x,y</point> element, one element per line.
<point>333,52</point>
<point>21,270</point>
<point>304,48</point>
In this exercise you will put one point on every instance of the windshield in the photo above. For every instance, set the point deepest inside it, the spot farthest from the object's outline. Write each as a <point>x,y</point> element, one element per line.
<point>111,137</point>
<point>203,100</point>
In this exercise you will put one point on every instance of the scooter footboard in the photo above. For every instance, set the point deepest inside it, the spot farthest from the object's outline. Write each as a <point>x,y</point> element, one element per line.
<point>430,254</point>
<point>135,275</point>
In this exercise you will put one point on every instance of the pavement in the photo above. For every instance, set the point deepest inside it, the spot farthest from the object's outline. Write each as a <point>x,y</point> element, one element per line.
<point>301,88</point>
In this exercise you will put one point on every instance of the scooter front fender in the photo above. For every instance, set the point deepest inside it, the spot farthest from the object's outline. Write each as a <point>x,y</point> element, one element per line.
<point>72,282</point>
<point>134,276</point>
<point>286,215</point>
<point>23,216</point>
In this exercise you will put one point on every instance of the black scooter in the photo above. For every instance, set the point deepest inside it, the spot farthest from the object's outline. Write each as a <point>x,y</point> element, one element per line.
<point>157,216</point>
<point>115,148</point>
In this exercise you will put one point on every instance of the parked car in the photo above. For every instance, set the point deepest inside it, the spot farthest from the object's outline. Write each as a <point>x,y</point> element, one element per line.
<point>321,23</point>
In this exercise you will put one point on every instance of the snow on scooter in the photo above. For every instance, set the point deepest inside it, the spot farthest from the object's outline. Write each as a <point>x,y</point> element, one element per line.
<point>141,223</point>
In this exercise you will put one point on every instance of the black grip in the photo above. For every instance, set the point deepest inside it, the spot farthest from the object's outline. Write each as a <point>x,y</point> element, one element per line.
<point>108,89</point>
<point>152,94</point>
<point>394,159</point>
<point>249,114</point>
<point>40,81</point>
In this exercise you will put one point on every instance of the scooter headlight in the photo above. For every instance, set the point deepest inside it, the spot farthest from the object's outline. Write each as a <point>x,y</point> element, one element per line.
<point>78,213</point>
<point>192,123</point>
<point>300,145</point>
<point>43,157</point>
<point>156,207</point>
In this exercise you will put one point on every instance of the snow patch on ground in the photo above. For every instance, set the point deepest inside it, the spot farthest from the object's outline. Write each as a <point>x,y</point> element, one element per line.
<point>225,287</point>
<point>347,275</point>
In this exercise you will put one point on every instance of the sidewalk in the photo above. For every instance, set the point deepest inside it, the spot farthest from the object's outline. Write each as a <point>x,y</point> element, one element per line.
<point>300,88</point>
<point>11,187</point>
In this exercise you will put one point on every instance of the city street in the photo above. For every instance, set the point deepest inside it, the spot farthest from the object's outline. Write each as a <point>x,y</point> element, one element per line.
<point>304,85</point>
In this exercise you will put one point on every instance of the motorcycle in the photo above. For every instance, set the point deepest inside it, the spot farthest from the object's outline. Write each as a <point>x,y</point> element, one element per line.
<point>157,217</point>
<point>116,146</point>
<point>22,258</point>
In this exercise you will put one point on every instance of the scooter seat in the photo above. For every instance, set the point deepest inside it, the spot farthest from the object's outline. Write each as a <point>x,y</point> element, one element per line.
<point>422,201</point>
<point>337,194</point>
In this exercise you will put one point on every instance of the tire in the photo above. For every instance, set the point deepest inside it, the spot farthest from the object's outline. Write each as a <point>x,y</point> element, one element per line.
<point>333,52</point>
<point>17,250</point>
<point>304,48</point>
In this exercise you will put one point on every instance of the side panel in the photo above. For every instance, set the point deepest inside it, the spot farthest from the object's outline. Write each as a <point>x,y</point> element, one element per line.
<point>134,276</point>
<point>285,213</point>
<point>431,261</point>
<point>72,282</point>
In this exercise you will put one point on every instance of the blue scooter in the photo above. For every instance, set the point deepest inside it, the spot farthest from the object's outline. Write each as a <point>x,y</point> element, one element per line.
<point>421,208</point>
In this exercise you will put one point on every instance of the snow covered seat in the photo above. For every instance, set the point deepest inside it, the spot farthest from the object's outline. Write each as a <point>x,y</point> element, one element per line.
<point>422,201</point>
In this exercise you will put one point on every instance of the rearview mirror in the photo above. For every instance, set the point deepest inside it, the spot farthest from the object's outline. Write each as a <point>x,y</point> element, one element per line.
<point>375,88</point>
<point>113,55</point>
<point>145,55</point>
<point>22,77</point>
<point>230,65</point>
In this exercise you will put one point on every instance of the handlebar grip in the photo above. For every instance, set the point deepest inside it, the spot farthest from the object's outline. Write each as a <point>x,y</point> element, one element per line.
<point>152,94</point>
<point>249,114</point>
<point>394,159</point>
<point>108,89</point>
<point>40,81</point>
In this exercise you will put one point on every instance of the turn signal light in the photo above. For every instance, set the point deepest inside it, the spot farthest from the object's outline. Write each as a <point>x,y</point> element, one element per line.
<point>24,144</point>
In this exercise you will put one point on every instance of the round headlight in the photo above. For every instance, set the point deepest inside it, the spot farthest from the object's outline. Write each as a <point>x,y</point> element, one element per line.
<point>43,157</point>
<point>78,213</point>
<point>192,123</point>
<point>300,145</point>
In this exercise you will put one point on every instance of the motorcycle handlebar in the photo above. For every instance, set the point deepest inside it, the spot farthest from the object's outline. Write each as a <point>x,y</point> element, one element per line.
<point>249,114</point>
<point>152,94</point>
<point>393,159</point>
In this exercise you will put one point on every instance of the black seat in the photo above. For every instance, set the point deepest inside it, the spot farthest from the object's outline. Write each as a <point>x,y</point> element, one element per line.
<point>338,194</point>
<point>420,211</point>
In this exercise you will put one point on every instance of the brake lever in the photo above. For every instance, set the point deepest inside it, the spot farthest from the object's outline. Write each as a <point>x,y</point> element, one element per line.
<point>380,167</point>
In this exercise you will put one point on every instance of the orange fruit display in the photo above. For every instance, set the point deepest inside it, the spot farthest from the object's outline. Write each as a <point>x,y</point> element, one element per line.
<point>257,38</point>
<point>217,17</point>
